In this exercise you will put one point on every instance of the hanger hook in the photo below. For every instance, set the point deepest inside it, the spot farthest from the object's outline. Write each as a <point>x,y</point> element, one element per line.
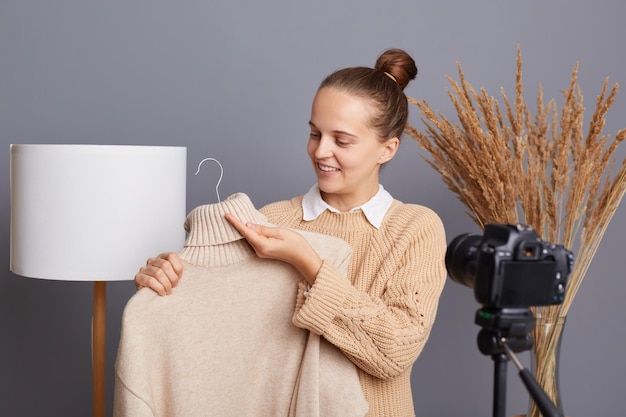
<point>219,180</point>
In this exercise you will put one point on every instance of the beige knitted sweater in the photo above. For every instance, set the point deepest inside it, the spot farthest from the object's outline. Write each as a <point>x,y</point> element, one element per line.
<point>380,314</point>
<point>223,344</point>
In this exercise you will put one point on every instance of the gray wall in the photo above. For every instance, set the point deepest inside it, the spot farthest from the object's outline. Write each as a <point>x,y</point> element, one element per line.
<point>233,80</point>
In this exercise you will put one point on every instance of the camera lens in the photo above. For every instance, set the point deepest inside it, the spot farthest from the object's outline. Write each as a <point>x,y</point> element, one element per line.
<point>460,255</point>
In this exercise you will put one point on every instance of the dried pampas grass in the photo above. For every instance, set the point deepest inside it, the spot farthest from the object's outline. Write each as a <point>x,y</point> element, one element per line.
<point>508,166</point>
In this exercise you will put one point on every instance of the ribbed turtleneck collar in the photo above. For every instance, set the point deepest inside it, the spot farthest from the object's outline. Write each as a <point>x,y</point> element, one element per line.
<point>212,240</point>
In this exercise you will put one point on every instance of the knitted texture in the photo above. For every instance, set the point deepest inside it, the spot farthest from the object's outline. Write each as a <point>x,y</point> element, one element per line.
<point>223,344</point>
<point>382,314</point>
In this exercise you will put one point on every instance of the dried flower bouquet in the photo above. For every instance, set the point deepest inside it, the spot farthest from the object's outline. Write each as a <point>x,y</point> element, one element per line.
<point>508,166</point>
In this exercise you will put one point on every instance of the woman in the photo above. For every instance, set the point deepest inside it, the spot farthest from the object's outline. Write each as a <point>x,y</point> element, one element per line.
<point>381,314</point>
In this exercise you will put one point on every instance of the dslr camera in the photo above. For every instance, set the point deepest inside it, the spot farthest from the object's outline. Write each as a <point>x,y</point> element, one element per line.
<point>510,266</point>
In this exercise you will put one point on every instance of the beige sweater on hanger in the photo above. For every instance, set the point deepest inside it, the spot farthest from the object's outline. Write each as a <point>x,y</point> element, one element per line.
<point>223,344</point>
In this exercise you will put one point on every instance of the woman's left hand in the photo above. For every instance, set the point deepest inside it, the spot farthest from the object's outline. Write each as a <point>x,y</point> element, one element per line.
<point>281,244</point>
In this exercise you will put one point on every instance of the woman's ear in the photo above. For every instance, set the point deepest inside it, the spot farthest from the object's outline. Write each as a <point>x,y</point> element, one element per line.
<point>390,147</point>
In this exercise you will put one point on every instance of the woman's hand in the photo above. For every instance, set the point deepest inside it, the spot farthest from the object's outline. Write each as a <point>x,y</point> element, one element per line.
<point>161,274</point>
<point>281,244</point>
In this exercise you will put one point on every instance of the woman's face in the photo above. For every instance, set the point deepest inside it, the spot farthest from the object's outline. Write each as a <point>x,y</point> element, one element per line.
<point>345,151</point>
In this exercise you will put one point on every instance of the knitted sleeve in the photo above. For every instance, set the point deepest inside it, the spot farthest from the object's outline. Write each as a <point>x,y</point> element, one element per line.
<point>384,327</point>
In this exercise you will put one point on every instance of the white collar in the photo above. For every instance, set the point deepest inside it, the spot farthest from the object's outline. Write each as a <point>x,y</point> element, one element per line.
<point>374,209</point>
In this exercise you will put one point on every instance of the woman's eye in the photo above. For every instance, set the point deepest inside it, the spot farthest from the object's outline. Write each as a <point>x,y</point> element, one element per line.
<point>314,135</point>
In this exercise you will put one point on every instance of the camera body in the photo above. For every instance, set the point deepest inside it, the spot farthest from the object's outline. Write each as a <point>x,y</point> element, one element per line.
<point>510,266</point>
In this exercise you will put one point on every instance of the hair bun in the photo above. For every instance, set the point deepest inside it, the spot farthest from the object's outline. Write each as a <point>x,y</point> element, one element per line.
<point>397,64</point>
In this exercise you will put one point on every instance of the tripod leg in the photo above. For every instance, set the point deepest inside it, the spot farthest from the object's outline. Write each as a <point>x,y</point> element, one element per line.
<point>499,384</point>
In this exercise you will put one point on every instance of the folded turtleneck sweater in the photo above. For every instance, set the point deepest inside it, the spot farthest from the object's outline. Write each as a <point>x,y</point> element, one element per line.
<point>223,344</point>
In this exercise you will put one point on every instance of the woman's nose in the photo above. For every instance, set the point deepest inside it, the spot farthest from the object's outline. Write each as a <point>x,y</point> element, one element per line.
<point>323,149</point>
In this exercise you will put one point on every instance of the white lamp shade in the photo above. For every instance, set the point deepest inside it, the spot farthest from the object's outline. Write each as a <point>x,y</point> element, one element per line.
<point>94,212</point>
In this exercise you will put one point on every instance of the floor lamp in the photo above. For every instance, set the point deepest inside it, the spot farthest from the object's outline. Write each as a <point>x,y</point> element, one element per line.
<point>94,213</point>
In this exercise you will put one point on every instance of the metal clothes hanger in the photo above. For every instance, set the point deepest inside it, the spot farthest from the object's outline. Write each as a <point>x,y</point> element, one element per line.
<point>221,175</point>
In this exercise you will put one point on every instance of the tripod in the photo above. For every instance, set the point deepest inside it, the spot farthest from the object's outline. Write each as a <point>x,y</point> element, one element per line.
<point>504,332</point>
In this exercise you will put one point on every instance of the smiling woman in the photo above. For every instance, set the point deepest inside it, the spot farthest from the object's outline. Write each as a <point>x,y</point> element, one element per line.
<point>380,314</point>
<point>346,152</point>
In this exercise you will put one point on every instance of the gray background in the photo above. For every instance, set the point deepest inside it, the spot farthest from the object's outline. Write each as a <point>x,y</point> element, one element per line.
<point>234,80</point>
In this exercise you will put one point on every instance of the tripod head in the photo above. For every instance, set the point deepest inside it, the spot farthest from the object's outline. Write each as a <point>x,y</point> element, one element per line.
<point>503,332</point>
<point>512,324</point>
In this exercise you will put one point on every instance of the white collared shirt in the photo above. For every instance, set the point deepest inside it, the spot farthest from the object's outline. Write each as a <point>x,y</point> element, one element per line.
<point>374,209</point>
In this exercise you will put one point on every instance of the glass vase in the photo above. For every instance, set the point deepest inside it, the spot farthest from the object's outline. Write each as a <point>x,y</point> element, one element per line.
<point>545,358</point>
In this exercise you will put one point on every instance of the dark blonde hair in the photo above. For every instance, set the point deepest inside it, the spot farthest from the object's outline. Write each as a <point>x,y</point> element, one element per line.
<point>383,86</point>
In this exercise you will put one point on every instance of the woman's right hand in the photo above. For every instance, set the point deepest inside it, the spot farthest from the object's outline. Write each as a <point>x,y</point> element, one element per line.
<point>161,273</point>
